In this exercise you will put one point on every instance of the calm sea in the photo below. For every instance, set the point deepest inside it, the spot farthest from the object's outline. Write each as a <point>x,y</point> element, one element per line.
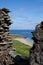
<point>25,33</point>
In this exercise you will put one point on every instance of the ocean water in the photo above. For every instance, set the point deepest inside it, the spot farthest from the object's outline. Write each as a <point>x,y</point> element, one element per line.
<point>25,33</point>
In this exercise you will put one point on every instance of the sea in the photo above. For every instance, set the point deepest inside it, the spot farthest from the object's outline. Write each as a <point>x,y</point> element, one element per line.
<point>25,33</point>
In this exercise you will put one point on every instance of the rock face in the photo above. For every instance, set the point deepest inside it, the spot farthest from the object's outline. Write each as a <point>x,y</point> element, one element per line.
<point>6,47</point>
<point>36,57</point>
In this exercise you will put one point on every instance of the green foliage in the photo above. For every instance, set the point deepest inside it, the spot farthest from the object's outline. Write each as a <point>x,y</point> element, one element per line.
<point>22,48</point>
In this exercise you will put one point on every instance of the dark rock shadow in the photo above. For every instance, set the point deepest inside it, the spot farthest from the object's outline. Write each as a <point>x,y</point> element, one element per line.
<point>21,60</point>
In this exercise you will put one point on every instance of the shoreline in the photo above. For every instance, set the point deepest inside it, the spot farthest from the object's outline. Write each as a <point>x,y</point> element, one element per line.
<point>22,39</point>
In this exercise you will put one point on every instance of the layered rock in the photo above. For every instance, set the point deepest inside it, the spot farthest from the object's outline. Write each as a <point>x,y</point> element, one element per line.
<point>36,55</point>
<point>7,50</point>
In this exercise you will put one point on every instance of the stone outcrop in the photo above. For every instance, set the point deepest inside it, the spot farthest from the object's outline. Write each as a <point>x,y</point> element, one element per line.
<point>36,53</point>
<point>7,51</point>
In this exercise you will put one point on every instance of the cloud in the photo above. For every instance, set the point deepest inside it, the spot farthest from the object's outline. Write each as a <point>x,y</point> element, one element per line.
<point>21,20</point>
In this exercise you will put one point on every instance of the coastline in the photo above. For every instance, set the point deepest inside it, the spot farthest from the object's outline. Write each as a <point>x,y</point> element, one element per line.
<point>22,39</point>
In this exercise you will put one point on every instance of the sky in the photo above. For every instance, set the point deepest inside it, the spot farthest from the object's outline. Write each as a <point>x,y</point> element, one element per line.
<point>25,14</point>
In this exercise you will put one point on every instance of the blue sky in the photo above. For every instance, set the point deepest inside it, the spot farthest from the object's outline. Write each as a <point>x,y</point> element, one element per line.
<point>25,14</point>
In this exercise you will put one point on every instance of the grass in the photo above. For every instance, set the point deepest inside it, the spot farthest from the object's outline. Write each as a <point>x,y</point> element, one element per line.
<point>21,48</point>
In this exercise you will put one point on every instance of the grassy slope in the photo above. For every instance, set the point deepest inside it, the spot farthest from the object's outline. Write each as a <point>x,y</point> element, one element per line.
<point>21,48</point>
